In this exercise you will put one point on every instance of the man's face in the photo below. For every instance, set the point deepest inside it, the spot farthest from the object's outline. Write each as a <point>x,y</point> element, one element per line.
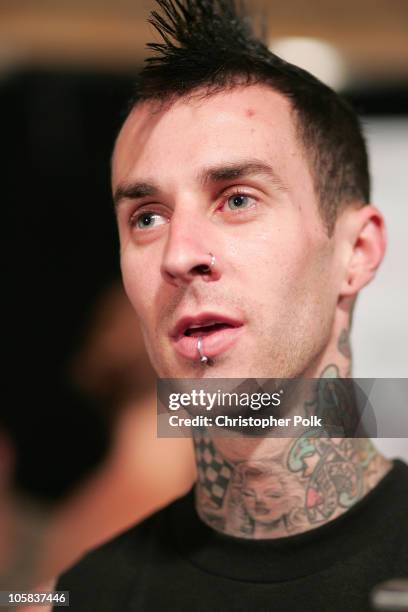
<point>265,499</point>
<point>267,307</point>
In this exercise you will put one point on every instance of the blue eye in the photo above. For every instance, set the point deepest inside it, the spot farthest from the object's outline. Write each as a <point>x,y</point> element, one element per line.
<point>149,219</point>
<point>238,201</point>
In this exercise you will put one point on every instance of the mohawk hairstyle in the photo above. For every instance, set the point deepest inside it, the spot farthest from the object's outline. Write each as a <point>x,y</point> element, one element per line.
<point>210,46</point>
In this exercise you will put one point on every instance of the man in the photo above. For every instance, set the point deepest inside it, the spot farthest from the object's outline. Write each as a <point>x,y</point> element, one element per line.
<point>242,197</point>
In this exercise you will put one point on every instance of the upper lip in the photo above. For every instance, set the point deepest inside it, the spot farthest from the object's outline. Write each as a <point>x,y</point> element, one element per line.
<point>204,318</point>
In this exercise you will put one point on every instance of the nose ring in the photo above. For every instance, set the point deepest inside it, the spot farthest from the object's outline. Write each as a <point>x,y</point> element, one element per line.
<point>208,268</point>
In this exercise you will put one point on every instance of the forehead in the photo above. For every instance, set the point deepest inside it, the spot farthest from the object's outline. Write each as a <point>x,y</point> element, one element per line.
<point>263,480</point>
<point>192,132</point>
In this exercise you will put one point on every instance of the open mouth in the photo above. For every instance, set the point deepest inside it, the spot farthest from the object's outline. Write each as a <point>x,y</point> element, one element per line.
<point>217,331</point>
<point>197,331</point>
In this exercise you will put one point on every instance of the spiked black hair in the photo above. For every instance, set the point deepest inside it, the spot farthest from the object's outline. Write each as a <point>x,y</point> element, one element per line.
<point>209,46</point>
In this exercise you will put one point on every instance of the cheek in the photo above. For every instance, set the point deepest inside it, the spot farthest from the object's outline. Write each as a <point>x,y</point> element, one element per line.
<point>279,262</point>
<point>302,265</point>
<point>293,287</point>
<point>138,283</point>
<point>249,502</point>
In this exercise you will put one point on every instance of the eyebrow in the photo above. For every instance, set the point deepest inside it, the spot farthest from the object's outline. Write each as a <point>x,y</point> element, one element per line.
<point>136,190</point>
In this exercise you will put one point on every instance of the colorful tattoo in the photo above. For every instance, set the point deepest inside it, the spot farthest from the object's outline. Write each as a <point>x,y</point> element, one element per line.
<point>311,480</point>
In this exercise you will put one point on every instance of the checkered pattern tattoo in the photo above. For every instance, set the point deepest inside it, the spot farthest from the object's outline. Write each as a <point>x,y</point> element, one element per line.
<point>214,472</point>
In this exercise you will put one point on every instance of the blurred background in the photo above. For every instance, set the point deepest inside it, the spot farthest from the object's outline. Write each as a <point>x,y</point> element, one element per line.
<point>80,395</point>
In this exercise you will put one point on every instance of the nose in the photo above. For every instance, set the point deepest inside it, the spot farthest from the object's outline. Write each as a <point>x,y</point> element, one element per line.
<point>189,253</point>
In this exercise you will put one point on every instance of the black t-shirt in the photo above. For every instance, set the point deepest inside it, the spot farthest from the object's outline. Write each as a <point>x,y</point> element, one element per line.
<point>174,562</point>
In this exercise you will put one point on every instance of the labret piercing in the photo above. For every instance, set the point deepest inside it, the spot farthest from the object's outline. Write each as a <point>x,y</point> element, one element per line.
<point>203,358</point>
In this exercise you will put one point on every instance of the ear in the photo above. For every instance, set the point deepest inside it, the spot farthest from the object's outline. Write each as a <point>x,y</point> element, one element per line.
<point>366,237</point>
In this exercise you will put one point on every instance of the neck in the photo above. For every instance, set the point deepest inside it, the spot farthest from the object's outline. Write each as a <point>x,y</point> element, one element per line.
<point>275,487</point>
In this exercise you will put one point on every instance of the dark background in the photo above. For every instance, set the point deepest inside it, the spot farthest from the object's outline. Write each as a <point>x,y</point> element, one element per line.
<point>61,251</point>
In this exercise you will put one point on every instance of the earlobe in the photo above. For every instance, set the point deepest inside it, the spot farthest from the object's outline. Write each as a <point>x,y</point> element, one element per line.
<point>368,242</point>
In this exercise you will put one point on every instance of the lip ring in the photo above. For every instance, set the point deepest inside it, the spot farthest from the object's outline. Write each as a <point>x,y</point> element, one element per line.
<point>203,358</point>
<point>212,345</point>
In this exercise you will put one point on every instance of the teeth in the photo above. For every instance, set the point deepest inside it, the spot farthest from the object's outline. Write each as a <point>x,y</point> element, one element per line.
<point>202,325</point>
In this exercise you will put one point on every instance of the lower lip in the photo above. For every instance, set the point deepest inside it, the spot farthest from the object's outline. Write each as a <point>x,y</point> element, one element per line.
<point>212,345</point>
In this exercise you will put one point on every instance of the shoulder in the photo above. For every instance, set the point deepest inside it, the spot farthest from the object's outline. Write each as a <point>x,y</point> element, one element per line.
<point>393,490</point>
<point>394,512</point>
<point>399,477</point>
<point>400,487</point>
<point>111,568</point>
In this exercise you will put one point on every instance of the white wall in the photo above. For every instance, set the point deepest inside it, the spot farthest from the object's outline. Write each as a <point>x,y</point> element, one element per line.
<point>380,327</point>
